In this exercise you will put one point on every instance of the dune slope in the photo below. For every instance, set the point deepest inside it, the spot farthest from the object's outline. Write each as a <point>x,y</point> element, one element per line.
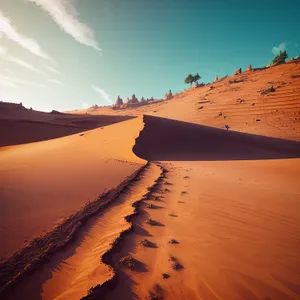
<point>20,125</point>
<point>224,230</point>
<point>220,230</point>
<point>165,139</point>
<point>236,101</point>
<point>43,183</point>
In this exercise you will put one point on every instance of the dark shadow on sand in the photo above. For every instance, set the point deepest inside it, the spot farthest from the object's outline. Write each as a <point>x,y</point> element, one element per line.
<point>170,140</point>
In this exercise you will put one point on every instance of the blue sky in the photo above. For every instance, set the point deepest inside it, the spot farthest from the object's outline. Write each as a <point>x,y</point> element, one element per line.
<point>71,54</point>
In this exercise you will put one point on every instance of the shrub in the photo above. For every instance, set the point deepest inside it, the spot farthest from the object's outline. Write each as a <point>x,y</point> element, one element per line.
<point>280,58</point>
<point>190,79</point>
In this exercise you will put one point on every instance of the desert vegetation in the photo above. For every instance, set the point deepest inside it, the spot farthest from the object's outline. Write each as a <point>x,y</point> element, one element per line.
<point>280,58</point>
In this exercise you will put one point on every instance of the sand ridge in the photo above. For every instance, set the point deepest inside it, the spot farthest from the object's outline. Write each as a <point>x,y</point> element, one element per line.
<point>220,222</point>
<point>42,183</point>
<point>57,279</point>
<point>242,106</point>
<point>237,241</point>
<point>20,125</point>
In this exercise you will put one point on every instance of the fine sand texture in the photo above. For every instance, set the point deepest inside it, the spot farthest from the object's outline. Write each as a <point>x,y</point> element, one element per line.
<point>213,215</point>
<point>71,273</point>
<point>237,101</point>
<point>223,230</point>
<point>20,125</point>
<point>42,183</point>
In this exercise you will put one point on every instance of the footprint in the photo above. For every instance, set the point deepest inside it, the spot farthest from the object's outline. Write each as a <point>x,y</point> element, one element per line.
<point>176,265</point>
<point>173,241</point>
<point>165,276</point>
<point>148,244</point>
<point>173,215</point>
<point>154,223</point>
<point>168,183</point>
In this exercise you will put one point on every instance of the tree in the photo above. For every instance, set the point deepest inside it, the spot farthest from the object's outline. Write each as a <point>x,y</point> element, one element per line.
<point>197,77</point>
<point>190,79</point>
<point>280,58</point>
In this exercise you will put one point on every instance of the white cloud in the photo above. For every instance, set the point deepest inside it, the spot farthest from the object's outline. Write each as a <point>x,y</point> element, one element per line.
<point>6,56</point>
<point>104,95</point>
<point>280,47</point>
<point>51,69</point>
<point>23,63</point>
<point>65,16</point>
<point>55,81</point>
<point>14,80</point>
<point>10,32</point>
<point>6,83</point>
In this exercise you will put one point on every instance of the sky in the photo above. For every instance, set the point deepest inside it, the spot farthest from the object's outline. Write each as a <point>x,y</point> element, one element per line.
<point>72,54</point>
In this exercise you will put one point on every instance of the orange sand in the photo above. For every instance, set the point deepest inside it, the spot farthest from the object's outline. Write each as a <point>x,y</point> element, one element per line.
<point>237,227</point>
<point>234,199</point>
<point>44,182</point>
<point>279,112</point>
<point>20,125</point>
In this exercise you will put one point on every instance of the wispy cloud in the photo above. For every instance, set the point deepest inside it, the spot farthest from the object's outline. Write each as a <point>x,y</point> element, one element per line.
<point>10,32</point>
<point>51,69</point>
<point>14,81</point>
<point>6,83</point>
<point>104,95</point>
<point>6,56</point>
<point>65,16</point>
<point>280,47</point>
<point>23,64</point>
<point>55,81</point>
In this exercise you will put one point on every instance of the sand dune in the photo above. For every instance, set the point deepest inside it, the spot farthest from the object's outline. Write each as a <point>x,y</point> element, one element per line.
<point>165,139</point>
<point>20,125</point>
<point>72,272</point>
<point>278,112</point>
<point>44,182</point>
<point>220,222</point>
<point>236,227</point>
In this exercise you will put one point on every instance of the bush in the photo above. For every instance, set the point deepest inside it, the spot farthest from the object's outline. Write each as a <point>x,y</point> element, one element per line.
<point>190,79</point>
<point>280,58</point>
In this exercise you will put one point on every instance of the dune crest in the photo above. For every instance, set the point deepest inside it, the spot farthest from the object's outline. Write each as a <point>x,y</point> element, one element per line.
<point>42,183</point>
<point>171,140</point>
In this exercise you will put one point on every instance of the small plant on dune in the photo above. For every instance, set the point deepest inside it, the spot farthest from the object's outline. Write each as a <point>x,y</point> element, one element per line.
<point>190,79</point>
<point>127,261</point>
<point>152,222</point>
<point>172,241</point>
<point>279,58</point>
<point>177,266</point>
<point>173,215</point>
<point>145,243</point>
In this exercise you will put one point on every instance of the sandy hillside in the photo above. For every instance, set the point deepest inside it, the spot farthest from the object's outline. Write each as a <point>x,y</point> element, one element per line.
<point>239,105</point>
<point>223,230</point>
<point>222,224</point>
<point>213,215</point>
<point>219,229</point>
<point>20,125</point>
<point>44,182</point>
